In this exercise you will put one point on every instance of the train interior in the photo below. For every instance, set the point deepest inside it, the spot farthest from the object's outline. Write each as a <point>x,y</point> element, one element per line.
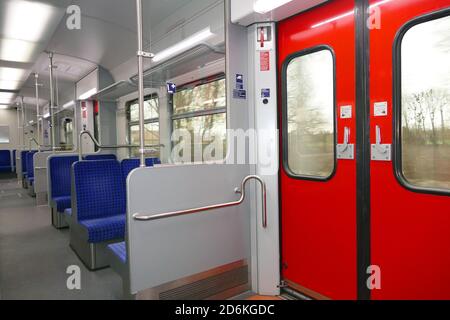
<point>224,149</point>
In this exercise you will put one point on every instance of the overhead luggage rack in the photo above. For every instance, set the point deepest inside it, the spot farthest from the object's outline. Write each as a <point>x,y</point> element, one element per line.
<point>115,91</point>
<point>157,75</point>
<point>183,63</point>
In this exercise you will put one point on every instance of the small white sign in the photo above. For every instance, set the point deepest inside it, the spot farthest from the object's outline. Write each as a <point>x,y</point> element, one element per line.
<point>380,109</point>
<point>346,112</point>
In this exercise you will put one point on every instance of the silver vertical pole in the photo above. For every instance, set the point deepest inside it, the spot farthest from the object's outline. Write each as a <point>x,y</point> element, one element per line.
<point>23,122</point>
<point>52,102</point>
<point>18,124</point>
<point>141,81</point>
<point>38,132</point>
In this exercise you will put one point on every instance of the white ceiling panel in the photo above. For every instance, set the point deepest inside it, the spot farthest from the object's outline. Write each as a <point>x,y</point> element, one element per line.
<point>243,12</point>
<point>107,36</point>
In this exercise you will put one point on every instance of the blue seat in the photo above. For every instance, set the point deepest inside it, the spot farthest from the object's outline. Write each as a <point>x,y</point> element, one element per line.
<point>30,167</point>
<point>100,157</point>
<point>100,199</point>
<point>59,172</point>
<point>119,250</point>
<point>23,160</point>
<point>129,165</point>
<point>99,210</point>
<point>62,203</point>
<point>105,229</point>
<point>14,159</point>
<point>5,161</point>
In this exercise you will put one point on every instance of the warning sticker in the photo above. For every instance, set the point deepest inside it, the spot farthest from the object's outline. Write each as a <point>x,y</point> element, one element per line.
<point>265,60</point>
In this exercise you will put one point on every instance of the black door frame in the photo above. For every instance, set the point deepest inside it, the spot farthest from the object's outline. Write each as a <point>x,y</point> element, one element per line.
<point>363,146</point>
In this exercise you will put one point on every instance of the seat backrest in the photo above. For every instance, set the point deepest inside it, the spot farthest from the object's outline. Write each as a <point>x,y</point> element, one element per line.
<point>129,165</point>
<point>14,158</point>
<point>97,189</point>
<point>100,157</point>
<point>59,170</point>
<point>5,158</point>
<point>30,164</point>
<point>23,159</point>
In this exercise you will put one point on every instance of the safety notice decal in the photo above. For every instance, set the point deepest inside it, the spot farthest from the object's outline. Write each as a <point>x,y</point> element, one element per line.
<point>239,92</point>
<point>264,60</point>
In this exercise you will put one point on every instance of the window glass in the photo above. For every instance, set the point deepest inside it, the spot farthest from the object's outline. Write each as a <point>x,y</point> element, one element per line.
<point>203,97</point>
<point>204,131</point>
<point>310,115</point>
<point>201,111</point>
<point>425,109</point>
<point>151,109</point>
<point>151,136</point>
<point>151,112</point>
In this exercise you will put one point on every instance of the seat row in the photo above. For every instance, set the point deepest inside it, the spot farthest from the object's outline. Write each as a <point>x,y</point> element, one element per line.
<point>7,161</point>
<point>90,198</point>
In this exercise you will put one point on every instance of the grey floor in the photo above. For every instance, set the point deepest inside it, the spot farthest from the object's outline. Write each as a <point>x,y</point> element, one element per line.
<point>34,256</point>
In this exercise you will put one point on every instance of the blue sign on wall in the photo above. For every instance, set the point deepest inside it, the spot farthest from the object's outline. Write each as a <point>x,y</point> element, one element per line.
<point>265,93</point>
<point>171,88</point>
<point>239,92</point>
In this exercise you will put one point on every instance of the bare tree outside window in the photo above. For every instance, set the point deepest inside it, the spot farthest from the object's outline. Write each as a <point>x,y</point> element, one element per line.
<point>201,110</point>
<point>426,104</point>
<point>151,119</point>
<point>310,108</point>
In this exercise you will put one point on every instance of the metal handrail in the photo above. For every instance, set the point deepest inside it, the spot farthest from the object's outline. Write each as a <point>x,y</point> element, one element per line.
<point>40,146</point>
<point>98,145</point>
<point>36,142</point>
<point>150,217</point>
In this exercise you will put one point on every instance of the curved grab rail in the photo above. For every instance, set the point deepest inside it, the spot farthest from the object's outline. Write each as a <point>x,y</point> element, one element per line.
<point>40,146</point>
<point>147,217</point>
<point>95,141</point>
<point>36,142</point>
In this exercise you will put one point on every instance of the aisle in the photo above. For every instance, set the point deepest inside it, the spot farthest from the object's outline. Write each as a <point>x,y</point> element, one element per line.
<point>34,256</point>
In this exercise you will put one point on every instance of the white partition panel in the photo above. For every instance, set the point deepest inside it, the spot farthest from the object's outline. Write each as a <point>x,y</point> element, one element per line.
<point>19,164</point>
<point>162,251</point>
<point>40,177</point>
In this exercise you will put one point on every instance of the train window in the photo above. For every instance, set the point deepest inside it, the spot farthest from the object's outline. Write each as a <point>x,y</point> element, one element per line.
<point>201,109</point>
<point>151,118</point>
<point>425,105</point>
<point>309,130</point>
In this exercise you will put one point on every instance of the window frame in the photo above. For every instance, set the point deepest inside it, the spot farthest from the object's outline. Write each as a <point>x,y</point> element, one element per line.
<point>198,113</point>
<point>397,103</point>
<point>147,121</point>
<point>285,114</point>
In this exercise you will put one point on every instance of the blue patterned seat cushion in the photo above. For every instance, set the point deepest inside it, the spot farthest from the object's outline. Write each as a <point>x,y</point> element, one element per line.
<point>99,189</point>
<point>23,159</point>
<point>30,180</point>
<point>5,161</point>
<point>119,250</point>
<point>129,165</point>
<point>105,229</point>
<point>30,164</point>
<point>5,169</point>
<point>62,203</point>
<point>100,157</point>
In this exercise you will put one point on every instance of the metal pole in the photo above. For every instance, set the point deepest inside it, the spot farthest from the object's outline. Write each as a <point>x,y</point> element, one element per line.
<point>18,124</point>
<point>52,102</point>
<point>23,123</point>
<point>141,81</point>
<point>38,131</point>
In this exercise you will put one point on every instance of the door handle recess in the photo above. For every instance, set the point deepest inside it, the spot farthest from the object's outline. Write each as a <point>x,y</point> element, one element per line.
<point>346,151</point>
<point>380,151</point>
